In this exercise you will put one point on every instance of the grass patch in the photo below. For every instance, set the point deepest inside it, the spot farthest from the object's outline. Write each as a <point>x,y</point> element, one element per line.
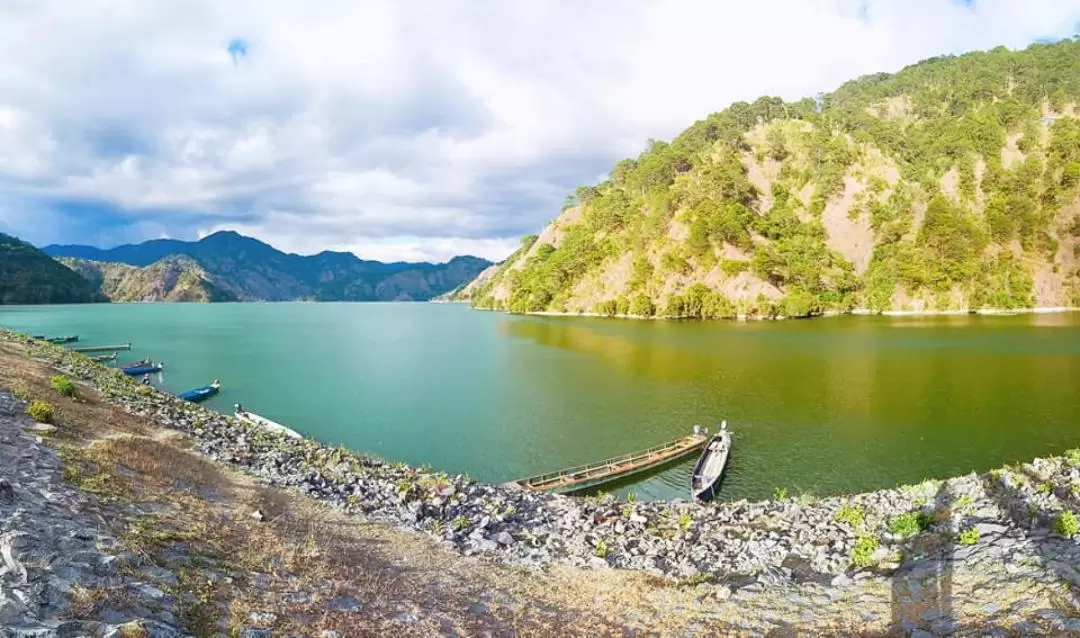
<point>41,411</point>
<point>851,514</point>
<point>780,494</point>
<point>1066,525</point>
<point>63,385</point>
<point>969,536</point>
<point>865,546</point>
<point>910,524</point>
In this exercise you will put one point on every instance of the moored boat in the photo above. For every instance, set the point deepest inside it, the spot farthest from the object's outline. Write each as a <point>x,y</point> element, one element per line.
<point>67,339</point>
<point>710,465</point>
<point>201,394</point>
<point>147,368</point>
<point>254,419</point>
<point>136,364</point>
<point>102,358</point>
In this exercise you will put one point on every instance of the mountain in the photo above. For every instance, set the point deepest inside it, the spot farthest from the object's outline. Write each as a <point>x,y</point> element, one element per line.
<point>174,278</point>
<point>29,276</point>
<point>464,293</point>
<point>232,266</point>
<point>952,184</point>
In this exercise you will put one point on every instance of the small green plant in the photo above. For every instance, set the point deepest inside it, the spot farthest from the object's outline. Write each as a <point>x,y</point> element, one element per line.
<point>1072,457</point>
<point>41,411</point>
<point>627,510</point>
<point>1065,524</point>
<point>601,548</point>
<point>851,514</point>
<point>964,502</point>
<point>865,546</point>
<point>63,385</point>
<point>461,523</point>
<point>779,494</point>
<point>1044,488</point>
<point>910,524</point>
<point>21,391</point>
<point>969,536</point>
<point>631,498</point>
<point>685,521</point>
<point>806,498</point>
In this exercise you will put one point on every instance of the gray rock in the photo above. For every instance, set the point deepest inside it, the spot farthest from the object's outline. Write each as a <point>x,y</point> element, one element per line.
<point>479,609</point>
<point>255,632</point>
<point>504,539</point>
<point>343,604</point>
<point>7,492</point>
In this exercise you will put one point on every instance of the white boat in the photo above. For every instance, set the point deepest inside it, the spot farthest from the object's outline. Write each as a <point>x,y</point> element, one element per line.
<point>710,466</point>
<point>254,419</point>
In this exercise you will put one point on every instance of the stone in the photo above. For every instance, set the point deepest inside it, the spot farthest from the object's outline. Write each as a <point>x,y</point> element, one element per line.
<point>343,604</point>
<point>258,516</point>
<point>504,539</point>
<point>479,609</point>
<point>7,492</point>
<point>255,632</point>
<point>841,580</point>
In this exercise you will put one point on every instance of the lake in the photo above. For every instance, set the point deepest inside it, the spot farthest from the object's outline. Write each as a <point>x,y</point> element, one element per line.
<point>825,406</point>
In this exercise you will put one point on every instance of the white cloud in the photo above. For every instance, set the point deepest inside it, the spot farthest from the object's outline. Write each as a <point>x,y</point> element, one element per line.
<point>410,128</point>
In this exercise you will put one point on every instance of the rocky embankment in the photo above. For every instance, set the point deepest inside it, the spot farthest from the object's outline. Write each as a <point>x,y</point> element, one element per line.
<point>1017,524</point>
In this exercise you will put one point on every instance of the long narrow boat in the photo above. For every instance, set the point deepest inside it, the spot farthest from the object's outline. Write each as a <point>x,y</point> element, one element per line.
<point>582,477</point>
<point>136,364</point>
<point>710,465</point>
<point>138,371</point>
<point>102,358</point>
<point>201,394</point>
<point>254,419</point>
<point>67,339</point>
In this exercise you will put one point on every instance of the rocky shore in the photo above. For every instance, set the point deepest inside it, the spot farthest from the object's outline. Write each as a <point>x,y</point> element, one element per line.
<point>1016,524</point>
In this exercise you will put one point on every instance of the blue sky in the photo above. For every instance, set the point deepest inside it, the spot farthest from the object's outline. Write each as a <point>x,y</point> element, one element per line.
<point>405,129</point>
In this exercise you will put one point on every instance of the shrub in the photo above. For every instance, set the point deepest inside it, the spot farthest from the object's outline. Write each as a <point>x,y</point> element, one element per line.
<point>642,306</point>
<point>41,411</point>
<point>63,385</point>
<point>865,546</point>
<point>461,523</point>
<point>601,548</point>
<point>779,493</point>
<point>968,536</point>
<point>851,514</point>
<point>910,524</point>
<point>1073,457</point>
<point>1066,524</point>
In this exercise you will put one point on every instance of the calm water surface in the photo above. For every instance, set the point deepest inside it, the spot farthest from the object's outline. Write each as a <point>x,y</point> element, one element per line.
<point>826,406</point>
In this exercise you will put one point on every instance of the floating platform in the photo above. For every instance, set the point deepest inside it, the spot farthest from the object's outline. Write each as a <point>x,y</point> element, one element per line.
<point>122,346</point>
<point>582,477</point>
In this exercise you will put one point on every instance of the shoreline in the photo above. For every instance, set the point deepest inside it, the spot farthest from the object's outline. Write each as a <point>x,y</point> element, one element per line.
<point>859,312</point>
<point>833,541</point>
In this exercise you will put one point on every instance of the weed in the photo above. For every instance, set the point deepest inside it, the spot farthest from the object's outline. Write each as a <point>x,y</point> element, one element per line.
<point>779,493</point>
<point>910,524</point>
<point>1072,457</point>
<point>1044,488</point>
<point>601,548</point>
<point>41,411</point>
<point>806,498</point>
<point>21,391</point>
<point>461,523</point>
<point>851,514</point>
<point>627,510</point>
<point>63,385</point>
<point>865,546</point>
<point>631,498</point>
<point>968,536</point>
<point>685,521</point>
<point>964,502</point>
<point>1065,524</point>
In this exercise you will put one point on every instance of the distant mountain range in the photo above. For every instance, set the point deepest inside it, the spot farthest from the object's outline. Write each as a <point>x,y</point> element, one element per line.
<point>29,276</point>
<point>227,266</point>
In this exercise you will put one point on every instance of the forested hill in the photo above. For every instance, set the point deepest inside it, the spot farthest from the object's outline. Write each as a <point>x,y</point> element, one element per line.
<point>952,184</point>
<point>29,276</point>
<point>229,266</point>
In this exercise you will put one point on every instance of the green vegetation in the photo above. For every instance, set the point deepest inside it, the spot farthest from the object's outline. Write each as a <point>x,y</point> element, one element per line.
<point>601,548</point>
<point>29,276</point>
<point>910,524</point>
<point>63,385</point>
<point>1066,525</point>
<point>851,514</point>
<point>969,536</point>
<point>779,493</point>
<point>920,158</point>
<point>41,411</point>
<point>866,545</point>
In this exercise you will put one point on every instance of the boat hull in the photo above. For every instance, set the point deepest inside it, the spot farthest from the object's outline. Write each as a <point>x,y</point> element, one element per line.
<point>141,370</point>
<point>198,395</point>
<point>710,467</point>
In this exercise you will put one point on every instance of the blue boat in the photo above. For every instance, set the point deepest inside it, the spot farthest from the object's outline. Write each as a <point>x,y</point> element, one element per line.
<point>148,368</point>
<point>201,394</point>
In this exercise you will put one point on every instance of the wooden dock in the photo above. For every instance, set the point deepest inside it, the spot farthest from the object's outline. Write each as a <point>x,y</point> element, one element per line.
<point>582,477</point>
<point>122,346</point>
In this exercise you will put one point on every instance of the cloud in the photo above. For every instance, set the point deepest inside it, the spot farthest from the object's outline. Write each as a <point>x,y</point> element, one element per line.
<point>405,128</point>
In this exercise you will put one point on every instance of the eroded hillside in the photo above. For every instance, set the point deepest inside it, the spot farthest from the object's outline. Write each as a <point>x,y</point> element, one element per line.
<point>950,185</point>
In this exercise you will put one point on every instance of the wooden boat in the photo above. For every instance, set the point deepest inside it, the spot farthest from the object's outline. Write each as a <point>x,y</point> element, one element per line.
<point>710,465</point>
<point>102,358</point>
<point>149,368</point>
<point>136,364</point>
<point>582,477</point>
<point>67,339</point>
<point>254,419</point>
<point>201,394</point>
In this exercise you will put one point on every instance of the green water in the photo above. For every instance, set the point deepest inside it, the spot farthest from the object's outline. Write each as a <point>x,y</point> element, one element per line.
<point>827,406</point>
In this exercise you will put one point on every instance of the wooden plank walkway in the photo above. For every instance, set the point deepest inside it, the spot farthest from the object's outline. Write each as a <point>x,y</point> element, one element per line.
<point>122,346</point>
<point>584,476</point>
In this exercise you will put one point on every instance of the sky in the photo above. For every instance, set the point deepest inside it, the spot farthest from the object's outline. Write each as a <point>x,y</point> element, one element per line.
<point>402,129</point>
